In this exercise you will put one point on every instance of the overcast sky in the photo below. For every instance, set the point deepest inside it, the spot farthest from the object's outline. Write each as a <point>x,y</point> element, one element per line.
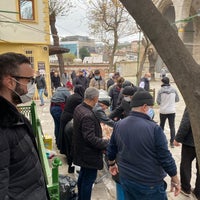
<point>76,23</point>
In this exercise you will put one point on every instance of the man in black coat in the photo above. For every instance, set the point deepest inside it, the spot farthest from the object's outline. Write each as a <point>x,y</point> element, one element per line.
<point>188,154</point>
<point>124,108</point>
<point>21,175</point>
<point>80,80</point>
<point>88,145</point>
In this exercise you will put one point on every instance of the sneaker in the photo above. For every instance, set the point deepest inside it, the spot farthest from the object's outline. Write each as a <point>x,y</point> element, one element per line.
<point>185,193</point>
<point>42,104</point>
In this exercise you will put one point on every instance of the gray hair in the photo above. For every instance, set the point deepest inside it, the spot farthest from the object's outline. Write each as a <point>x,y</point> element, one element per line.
<point>91,93</point>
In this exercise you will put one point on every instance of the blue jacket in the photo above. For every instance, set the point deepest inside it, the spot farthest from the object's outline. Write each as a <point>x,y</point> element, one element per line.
<point>141,149</point>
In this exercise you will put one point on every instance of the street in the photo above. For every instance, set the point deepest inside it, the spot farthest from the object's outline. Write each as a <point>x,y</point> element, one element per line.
<point>105,188</point>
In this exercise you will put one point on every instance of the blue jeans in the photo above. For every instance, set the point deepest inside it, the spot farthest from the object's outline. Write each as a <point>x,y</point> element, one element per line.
<point>56,112</point>
<point>136,191</point>
<point>120,192</point>
<point>85,182</point>
<point>40,92</point>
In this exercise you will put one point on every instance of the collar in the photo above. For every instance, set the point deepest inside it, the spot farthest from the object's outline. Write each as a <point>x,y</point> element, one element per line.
<point>86,105</point>
<point>9,115</point>
<point>164,84</point>
<point>139,114</point>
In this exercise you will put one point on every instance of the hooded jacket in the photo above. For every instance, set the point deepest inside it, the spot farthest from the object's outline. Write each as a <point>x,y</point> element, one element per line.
<point>21,176</point>
<point>166,98</point>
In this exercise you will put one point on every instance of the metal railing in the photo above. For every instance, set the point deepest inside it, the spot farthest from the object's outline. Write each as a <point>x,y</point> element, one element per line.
<point>51,175</point>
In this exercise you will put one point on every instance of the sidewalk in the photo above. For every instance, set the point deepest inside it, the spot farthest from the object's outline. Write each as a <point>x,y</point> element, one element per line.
<point>105,189</point>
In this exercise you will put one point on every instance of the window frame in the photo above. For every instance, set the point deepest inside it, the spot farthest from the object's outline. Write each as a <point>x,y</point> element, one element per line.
<point>33,11</point>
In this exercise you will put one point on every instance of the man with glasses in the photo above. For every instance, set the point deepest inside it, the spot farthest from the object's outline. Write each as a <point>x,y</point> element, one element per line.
<point>21,176</point>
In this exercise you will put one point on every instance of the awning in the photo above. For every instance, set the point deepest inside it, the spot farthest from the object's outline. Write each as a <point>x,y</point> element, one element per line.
<point>57,50</point>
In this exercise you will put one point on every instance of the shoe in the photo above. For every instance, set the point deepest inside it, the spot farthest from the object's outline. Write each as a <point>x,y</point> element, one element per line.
<point>185,193</point>
<point>42,104</point>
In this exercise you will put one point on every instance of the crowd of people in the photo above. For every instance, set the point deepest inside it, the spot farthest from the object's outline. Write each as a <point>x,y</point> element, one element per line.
<point>136,150</point>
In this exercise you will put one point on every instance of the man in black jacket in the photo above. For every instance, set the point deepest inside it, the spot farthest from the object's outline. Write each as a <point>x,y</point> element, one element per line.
<point>41,86</point>
<point>21,176</point>
<point>188,154</point>
<point>88,145</point>
<point>80,80</point>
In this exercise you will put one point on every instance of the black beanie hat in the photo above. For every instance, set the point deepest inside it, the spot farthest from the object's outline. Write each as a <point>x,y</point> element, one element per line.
<point>165,80</point>
<point>129,90</point>
<point>105,102</point>
<point>140,98</point>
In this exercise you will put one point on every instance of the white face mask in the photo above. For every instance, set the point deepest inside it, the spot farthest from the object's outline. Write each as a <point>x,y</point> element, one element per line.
<point>128,99</point>
<point>29,96</point>
<point>149,79</point>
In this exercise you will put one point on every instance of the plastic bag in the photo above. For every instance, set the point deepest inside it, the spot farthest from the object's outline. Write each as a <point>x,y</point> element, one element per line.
<point>45,93</point>
<point>67,188</point>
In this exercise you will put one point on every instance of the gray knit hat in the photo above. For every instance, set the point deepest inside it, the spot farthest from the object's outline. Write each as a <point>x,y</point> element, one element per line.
<point>140,98</point>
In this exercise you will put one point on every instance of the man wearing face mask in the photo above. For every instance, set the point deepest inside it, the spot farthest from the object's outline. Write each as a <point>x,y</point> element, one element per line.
<point>99,111</point>
<point>144,82</point>
<point>88,145</point>
<point>124,108</point>
<point>80,80</point>
<point>98,81</point>
<point>21,175</point>
<point>143,157</point>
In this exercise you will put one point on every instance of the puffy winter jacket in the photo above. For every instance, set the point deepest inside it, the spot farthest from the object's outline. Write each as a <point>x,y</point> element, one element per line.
<point>21,176</point>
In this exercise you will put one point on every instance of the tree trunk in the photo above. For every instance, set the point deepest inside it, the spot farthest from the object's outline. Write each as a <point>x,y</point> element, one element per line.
<point>141,65</point>
<point>56,41</point>
<point>184,69</point>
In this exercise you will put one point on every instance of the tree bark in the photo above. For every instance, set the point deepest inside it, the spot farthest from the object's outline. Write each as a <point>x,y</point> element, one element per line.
<point>182,66</point>
<point>56,41</point>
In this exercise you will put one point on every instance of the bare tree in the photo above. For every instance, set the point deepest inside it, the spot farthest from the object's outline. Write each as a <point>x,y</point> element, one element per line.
<point>108,22</point>
<point>146,43</point>
<point>183,67</point>
<point>58,8</point>
<point>152,57</point>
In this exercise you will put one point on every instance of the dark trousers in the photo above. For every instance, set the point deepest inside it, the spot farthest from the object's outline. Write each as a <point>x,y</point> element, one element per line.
<point>171,120</point>
<point>56,112</point>
<point>188,154</point>
<point>86,180</point>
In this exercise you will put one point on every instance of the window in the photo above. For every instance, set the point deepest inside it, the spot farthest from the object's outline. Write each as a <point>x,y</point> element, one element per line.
<point>30,57</point>
<point>26,9</point>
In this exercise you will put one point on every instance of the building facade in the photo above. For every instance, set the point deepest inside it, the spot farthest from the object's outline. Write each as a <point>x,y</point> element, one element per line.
<point>24,28</point>
<point>184,15</point>
<point>75,43</point>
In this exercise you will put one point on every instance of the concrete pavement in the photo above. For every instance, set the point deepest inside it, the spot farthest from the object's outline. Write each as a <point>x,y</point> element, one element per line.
<point>105,189</point>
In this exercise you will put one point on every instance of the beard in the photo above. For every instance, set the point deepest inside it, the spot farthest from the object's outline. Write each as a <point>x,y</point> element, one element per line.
<point>15,95</point>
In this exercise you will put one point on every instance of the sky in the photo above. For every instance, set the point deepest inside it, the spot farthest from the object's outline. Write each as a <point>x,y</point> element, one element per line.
<point>76,23</point>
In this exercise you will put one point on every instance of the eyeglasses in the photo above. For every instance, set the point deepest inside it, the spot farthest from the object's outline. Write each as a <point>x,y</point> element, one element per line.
<point>31,79</point>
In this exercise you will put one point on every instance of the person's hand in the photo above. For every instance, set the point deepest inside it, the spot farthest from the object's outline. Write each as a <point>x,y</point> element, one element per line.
<point>176,143</point>
<point>113,169</point>
<point>175,185</point>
